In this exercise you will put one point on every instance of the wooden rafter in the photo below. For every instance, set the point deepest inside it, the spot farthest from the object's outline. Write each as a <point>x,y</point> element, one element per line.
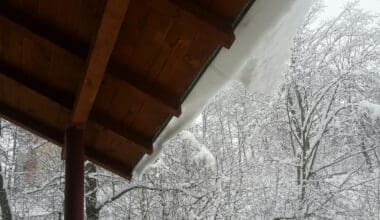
<point>97,62</point>
<point>209,18</point>
<point>172,105</point>
<point>104,161</point>
<point>24,120</point>
<point>36,29</point>
<point>219,25</point>
<point>120,129</point>
<point>55,136</point>
<point>66,100</point>
<point>29,26</point>
<point>63,98</point>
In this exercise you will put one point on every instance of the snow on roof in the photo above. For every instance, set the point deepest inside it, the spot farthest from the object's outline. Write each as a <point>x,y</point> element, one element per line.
<point>258,58</point>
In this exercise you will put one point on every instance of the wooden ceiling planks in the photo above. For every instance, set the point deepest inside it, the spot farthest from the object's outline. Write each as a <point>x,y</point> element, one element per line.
<point>100,53</point>
<point>144,62</point>
<point>220,24</point>
<point>26,23</point>
<point>158,95</point>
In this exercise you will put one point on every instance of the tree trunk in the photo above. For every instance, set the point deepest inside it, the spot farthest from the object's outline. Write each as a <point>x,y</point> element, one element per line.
<point>6,213</point>
<point>91,184</point>
<point>363,147</point>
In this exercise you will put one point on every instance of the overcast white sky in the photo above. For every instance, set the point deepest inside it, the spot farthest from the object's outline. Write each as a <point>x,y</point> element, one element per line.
<point>335,6</point>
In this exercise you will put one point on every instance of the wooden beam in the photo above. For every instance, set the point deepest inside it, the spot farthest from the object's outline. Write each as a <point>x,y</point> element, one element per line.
<point>112,165</point>
<point>97,62</point>
<point>160,96</point>
<point>46,33</point>
<point>214,21</point>
<point>221,29</point>
<point>66,100</point>
<point>119,128</point>
<point>56,136</point>
<point>24,120</point>
<point>42,31</point>
<point>74,46</point>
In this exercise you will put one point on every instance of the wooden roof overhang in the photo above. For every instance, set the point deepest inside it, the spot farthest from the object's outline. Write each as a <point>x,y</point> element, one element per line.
<point>122,67</point>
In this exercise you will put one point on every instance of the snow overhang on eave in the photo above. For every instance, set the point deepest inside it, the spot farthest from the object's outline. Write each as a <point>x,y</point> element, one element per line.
<point>258,58</point>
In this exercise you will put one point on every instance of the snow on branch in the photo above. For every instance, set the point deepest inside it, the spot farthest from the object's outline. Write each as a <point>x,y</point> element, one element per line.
<point>203,153</point>
<point>46,184</point>
<point>372,109</point>
<point>103,202</point>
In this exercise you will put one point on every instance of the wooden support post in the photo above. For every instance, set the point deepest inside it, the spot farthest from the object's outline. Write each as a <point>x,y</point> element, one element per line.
<point>74,172</point>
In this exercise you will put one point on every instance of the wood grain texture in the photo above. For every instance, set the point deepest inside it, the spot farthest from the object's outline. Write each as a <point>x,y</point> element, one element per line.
<point>11,75</point>
<point>68,60</point>
<point>215,21</point>
<point>106,37</point>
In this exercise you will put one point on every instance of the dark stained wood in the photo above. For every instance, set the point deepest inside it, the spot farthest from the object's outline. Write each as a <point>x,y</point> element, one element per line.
<point>79,49</point>
<point>121,129</point>
<point>56,136</point>
<point>141,74</point>
<point>66,100</point>
<point>57,37</point>
<point>22,119</point>
<point>115,72</point>
<point>61,97</point>
<point>230,12</point>
<point>74,172</point>
<point>39,28</point>
<point>164,98</point>
<point>98,59</point>
<point>108,163</point>
<point>210,18</point>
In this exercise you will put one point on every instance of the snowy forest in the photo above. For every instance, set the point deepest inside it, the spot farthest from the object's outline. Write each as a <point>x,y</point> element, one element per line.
<point>310,150</point>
